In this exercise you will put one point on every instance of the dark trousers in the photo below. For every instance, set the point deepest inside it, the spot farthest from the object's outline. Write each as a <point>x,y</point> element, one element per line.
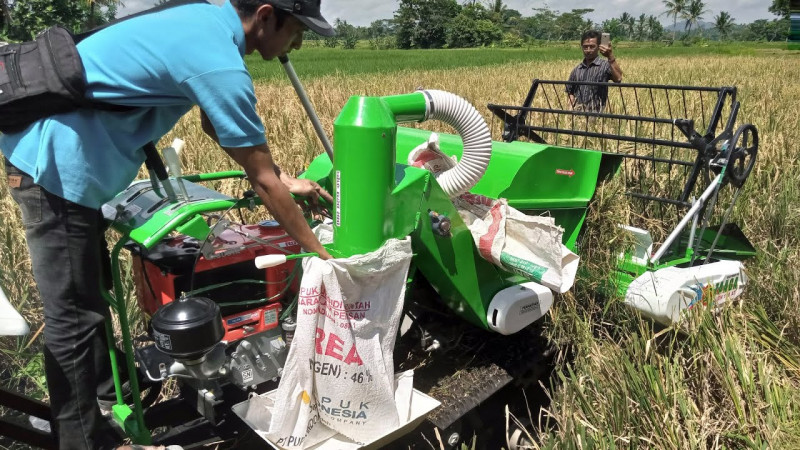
<point>70,261</point>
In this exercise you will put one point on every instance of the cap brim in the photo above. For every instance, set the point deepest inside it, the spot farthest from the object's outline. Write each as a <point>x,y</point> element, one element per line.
<point>317,24</point>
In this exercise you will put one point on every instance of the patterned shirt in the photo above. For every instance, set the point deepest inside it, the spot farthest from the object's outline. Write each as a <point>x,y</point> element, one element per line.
<point>593,98</point>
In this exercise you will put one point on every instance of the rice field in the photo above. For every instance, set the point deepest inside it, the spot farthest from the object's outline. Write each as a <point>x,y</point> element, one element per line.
<point>730,380</point>
<point>315,60</point>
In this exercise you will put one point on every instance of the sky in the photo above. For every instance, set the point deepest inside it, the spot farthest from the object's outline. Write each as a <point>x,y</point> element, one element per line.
<point>364,12</point>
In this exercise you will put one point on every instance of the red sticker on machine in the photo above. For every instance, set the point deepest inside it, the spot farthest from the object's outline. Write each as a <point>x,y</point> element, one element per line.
<point>566,172</point>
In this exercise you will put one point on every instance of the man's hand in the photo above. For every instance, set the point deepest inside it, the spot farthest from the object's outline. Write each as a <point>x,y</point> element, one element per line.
<point>606,51</point>
<point>307,195</point>
<point>616,71</point>
<point>307,188</point>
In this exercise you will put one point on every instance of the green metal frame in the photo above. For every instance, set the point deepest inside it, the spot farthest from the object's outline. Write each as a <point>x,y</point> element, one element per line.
<point>131,421</point>
<point>184,218</point>
<point>728,247</point>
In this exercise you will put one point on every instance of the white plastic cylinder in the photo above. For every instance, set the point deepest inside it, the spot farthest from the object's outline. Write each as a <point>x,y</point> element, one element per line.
<point>663,295</point>
<point>518,306</point>
<point>265,261</point>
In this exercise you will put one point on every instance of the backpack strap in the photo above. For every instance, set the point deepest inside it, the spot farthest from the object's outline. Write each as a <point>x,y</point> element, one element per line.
<point>166,5</point>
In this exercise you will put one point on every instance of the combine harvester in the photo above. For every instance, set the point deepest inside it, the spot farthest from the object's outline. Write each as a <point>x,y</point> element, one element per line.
<point>221,324</point>
<point>683,162</point>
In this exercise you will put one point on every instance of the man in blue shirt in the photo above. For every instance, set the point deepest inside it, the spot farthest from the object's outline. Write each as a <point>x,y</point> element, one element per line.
<point>63,168</point>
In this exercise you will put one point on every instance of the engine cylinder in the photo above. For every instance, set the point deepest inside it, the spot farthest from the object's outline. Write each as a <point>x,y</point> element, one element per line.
<point>188,328</point>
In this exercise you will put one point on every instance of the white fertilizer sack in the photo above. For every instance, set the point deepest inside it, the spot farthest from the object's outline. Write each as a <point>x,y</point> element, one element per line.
<point>339,374</point>
<point>527,245</point>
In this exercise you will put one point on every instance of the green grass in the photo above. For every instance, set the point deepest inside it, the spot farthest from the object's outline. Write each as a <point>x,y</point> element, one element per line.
<point>314,61</point>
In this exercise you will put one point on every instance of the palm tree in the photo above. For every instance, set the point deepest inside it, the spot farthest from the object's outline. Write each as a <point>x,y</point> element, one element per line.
<point>675,8</point>
<point>641,28</point>
<point>627,22</point>
<point>693,14</point>
<point>723,23</point>
<point>614,27</point>
<point>497,6</point>
<point>497,11</point>
<point>656,30</point>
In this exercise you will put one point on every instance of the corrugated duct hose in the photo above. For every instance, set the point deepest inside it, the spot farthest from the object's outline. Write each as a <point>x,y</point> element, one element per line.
<point>474,132</point>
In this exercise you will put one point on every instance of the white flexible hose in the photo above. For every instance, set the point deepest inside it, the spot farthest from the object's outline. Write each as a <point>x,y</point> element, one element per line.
<point>474,132</point>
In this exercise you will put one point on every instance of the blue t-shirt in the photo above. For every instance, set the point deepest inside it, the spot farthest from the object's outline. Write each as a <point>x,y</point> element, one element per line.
<point>165,63</point>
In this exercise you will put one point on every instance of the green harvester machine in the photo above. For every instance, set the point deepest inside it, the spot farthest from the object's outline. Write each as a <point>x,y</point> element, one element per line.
<point>465,318</point>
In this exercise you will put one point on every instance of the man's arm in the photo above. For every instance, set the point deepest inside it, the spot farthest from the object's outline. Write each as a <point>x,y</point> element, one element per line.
<point>274,188</point>
<point>616,71</point>
<point>305,188</point>
<point>266,181</point>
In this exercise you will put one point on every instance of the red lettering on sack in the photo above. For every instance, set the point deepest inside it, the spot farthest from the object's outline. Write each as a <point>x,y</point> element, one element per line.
<point>334,345</point>
<point>353,358</point>
<point>306,291</point>
<point>474,199</point>
<point>320,337</point>
<point>334,348</point>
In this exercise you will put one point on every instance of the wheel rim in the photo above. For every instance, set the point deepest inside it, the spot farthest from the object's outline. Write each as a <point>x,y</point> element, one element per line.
<point>744,148</point>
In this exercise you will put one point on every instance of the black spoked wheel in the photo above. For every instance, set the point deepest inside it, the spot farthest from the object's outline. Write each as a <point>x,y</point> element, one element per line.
<point>744,148</point>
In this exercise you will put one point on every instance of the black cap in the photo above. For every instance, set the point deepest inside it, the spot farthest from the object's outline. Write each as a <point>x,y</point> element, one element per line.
<point>306,11</point>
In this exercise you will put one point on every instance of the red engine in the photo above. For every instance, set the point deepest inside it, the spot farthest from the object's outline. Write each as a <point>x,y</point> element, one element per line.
<point>179,264</point>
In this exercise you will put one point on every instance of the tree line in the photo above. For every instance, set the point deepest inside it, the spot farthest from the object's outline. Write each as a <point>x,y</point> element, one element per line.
<point>22,20</point>
<point>472,23</point>
<point>448,23</point>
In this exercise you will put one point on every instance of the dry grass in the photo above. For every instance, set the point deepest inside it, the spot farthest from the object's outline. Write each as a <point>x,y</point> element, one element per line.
<point>731,382</point>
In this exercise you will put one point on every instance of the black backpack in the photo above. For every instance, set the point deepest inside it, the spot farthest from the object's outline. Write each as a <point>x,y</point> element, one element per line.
<point>45,76</point>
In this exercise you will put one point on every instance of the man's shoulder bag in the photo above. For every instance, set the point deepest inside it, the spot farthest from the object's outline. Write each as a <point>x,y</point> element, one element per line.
<point>40,78</point>
<point>44,77</point>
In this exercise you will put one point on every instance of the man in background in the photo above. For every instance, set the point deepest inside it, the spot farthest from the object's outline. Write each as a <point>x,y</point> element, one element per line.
<point>587,97</point>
